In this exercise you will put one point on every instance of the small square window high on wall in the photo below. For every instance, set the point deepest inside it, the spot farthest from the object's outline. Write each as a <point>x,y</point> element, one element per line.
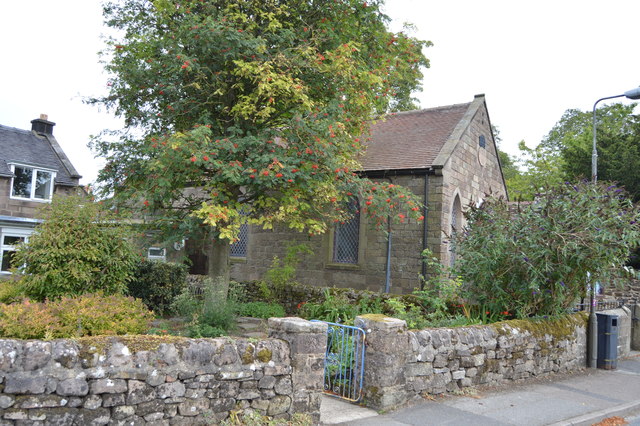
<point>157,253</point>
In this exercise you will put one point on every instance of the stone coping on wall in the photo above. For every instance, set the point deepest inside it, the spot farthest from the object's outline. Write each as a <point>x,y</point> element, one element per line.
<point>160,380</point>
<point>401,364</point>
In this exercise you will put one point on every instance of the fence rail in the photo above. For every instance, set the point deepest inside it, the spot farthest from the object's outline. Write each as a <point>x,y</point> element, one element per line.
<point>603,305</point>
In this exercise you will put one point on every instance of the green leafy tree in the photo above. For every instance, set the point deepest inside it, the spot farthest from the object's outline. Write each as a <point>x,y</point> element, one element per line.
<point>539,168</point>
<point>618,144</point>
<point>539,259</point>
<point>77,249</point>
<point>251,112</point>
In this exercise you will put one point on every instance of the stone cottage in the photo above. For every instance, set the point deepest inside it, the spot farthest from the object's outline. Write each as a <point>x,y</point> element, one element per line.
<point>447,156</point>
<point>33,168</point>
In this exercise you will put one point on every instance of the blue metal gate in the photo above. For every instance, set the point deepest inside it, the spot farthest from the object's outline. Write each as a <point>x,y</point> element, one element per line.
<point>344,361</point>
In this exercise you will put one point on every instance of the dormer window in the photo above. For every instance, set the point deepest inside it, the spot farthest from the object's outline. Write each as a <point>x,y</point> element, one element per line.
<point>31,183</point>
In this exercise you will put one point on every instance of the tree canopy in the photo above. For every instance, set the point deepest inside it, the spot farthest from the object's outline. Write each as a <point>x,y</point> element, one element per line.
<point>251,110</point>
<point>618,144</point>
<point>565,152</point>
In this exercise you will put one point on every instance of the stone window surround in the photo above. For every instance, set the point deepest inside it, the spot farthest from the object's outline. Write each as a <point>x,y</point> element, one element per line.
<point>34,173</point>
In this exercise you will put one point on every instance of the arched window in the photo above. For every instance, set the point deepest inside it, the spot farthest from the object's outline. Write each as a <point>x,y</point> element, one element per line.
<point>346,239</point>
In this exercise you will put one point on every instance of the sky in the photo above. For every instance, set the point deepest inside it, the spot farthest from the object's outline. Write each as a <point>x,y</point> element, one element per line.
<point>532,60</point>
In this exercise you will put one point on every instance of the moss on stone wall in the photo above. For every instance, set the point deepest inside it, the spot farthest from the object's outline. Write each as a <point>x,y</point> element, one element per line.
<point>558,328</point>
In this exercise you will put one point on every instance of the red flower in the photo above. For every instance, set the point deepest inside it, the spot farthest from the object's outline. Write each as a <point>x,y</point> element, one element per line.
<point>205,158</point>
<point>193,159</point>
<point>146,203</point>
<point>278,175</point>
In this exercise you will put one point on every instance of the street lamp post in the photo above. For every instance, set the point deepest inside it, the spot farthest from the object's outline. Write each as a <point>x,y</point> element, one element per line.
<point>593,319</point>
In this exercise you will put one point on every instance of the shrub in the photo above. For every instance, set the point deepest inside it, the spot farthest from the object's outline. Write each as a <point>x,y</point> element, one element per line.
<point>11,291</point>
<point>217,310</point>
<point>78,248</point>
<point>260,310</point>
<point>539,260</point>
<point>158,284</point>
<point>212,310</point>
<point>186,304</point>
<point>86,315</point>
<point>29,320</point>
<point>283,271</point>
<point>100,314</point>
<point>336,309</point>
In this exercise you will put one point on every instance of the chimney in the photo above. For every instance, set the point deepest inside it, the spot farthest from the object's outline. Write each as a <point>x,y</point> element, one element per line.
<point>42,125</point>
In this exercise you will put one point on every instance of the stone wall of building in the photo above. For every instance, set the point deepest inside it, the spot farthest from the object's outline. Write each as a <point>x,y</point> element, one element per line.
<point>471,173</point>
<point>318,269</point>
<point>401,365</point>
<point>140,380</point>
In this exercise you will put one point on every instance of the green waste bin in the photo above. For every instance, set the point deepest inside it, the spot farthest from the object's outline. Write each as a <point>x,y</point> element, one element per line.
<point>607,341</point>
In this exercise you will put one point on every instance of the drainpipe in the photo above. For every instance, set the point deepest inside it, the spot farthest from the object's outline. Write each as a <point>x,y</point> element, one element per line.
<point>387,281</point>
<point>424,225</point>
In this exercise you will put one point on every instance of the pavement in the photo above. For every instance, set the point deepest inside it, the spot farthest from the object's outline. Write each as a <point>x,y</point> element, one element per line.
<point>583,398</point>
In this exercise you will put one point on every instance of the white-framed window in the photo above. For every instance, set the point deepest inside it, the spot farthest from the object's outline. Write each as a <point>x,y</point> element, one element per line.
<point>157,253</point>
<point>9,239</point>
<point>31,183</point>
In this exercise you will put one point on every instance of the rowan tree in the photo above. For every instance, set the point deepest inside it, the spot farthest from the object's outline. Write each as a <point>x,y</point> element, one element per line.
<point>247,111</point>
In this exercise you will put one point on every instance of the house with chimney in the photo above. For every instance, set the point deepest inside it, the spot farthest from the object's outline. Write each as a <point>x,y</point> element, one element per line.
<point>33,169</point>
<point>446,155</point>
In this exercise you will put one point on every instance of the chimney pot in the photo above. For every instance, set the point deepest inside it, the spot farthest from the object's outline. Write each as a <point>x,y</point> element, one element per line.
<point>44,117</point>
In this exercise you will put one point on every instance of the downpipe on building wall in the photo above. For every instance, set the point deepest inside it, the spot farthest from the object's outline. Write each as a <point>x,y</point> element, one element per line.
<point>424,227</point>
<point>387,280</point>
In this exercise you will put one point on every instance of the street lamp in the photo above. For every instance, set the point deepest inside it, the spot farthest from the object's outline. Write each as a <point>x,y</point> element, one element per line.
<point>593,319</point>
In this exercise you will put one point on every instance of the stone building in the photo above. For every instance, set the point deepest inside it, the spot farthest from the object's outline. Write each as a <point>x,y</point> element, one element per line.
<point>33,168</point>
<point>447,156</point>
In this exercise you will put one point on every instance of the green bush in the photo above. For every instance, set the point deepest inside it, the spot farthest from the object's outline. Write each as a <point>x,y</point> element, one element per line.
<point>99,314</point>
<point>541,259</point>
<point>11,291</point>
<point>212,311</point>
<point>217,310</point>
<point>283,272</point>
<point>260,310</point>
<point>158,284</point>
<point>80,247</point>
<point>30,320</point>
<point>86,315</point>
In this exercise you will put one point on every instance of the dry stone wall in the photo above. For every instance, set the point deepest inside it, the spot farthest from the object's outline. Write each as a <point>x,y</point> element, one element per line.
<point>401,364</point>
<point>187,381</point>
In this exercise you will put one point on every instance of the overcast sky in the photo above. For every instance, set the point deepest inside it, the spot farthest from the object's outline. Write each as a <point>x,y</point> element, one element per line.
<point>532,60</point>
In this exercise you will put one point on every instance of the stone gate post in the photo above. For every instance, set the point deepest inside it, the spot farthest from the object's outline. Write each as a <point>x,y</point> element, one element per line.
<point>308,344</point>
<point>387,346</point>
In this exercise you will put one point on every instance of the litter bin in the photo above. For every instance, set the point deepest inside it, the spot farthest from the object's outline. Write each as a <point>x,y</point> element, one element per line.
<point>607,341</point>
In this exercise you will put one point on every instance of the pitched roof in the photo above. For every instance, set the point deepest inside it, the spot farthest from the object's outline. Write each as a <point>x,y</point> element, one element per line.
<point>37,150</point>
<point>412,139</point>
